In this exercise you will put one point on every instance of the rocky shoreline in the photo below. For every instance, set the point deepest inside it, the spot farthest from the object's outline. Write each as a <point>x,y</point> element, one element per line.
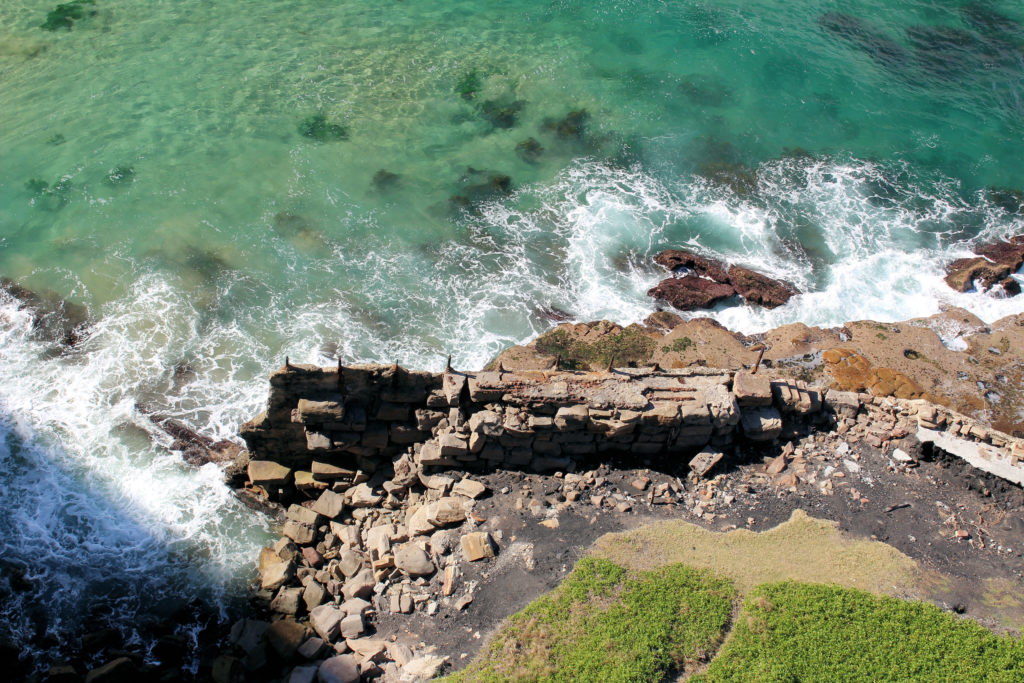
<point>393,518</point>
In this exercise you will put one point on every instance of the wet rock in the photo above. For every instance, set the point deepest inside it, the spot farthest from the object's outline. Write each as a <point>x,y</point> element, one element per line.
<point>702,282</point>
<point>121,670</point>
<point>339,669</point>
<point>53,318</point>
<point>992,266</point>
<point>227,669</point>
<point>760,289</point>
<point>691,292</point>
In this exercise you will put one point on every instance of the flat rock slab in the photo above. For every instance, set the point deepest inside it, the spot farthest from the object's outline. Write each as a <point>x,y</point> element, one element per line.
<point>268,473</point>
<point>339,669</point>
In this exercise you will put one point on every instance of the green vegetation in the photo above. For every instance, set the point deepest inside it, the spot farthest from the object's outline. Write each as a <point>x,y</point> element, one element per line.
<point>678,346</point>
<point>605,623</point>
<point>628,348</point>
<point>65,15</point>
<point>320,129</point>
<point>808,632</point>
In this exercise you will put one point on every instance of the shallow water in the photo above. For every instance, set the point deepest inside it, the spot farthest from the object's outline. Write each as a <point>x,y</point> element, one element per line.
<point>849,147</point>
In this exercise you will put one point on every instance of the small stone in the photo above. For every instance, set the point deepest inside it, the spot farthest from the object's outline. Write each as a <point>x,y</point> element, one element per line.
<point>412,560</point>
<point>477,545</point>
<point>640,484</point>
<point>463,602</point>
<point>368,649</point>
<point>362,496</point>
<point>550,523</point>
<point>422,668</point>
<point>776,465</point>
<point>339,669</point>
<point>901,456</point>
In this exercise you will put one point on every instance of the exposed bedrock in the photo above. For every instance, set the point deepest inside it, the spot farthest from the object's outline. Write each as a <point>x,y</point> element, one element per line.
<point>699,282</point>
<point>994,264</point>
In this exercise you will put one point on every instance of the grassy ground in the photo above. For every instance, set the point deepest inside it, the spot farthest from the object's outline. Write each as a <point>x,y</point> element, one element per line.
<point>805,632</point>
<point>605,623</point>
<point>825,554</point>
<point>655,602</point>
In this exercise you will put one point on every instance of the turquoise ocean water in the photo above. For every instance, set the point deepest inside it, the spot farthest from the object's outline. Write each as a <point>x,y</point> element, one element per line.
<point>226,183</point>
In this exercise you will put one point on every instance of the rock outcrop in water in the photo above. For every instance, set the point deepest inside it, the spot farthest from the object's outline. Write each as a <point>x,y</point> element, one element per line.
<point>53,318</point>
<point>994,264</point>
<point>701,282</point>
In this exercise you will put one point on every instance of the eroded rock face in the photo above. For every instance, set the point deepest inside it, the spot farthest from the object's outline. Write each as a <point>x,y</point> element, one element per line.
<point>701,282</point>
<point>994,265</point>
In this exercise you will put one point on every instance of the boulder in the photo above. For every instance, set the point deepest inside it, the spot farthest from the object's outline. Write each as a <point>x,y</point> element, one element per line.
<point>313,595</point>
<point>352,626</point>
<point>287,601</point>
<point>761,424</point>
<point>329,504</point>
<point>326,621</point>
<point>691,292</point>
<point>303,674</point>
<point>752,390</point>
<point>362,496</point>
<point>312,648</point>
<point>285,637</point>
<point>359,586</point>
<point>412,560</point>
<point>268,473</point>
<point>276,574</point>
<point>339,669</point>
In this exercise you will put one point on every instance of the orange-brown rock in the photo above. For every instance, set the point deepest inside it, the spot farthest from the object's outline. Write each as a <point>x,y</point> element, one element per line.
<point>992,266</point>
<point>702,282</point>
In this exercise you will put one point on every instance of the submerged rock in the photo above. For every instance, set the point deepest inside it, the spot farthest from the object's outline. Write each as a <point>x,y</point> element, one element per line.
<point>501,115</point>
<point>876,44</point>
<point>478,186</point>
<point>570,127</point>
<point>384,180</point>
<point>994,265</point>
<point>318,128</point>
<point>120,175</point>
<point>529,150</point>
<point>64,16</point>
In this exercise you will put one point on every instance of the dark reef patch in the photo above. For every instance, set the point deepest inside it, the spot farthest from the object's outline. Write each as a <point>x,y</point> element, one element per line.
<point>529,150</point>
<point>64,16</point>
<point>876,44</point>
<point>317,127</point>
